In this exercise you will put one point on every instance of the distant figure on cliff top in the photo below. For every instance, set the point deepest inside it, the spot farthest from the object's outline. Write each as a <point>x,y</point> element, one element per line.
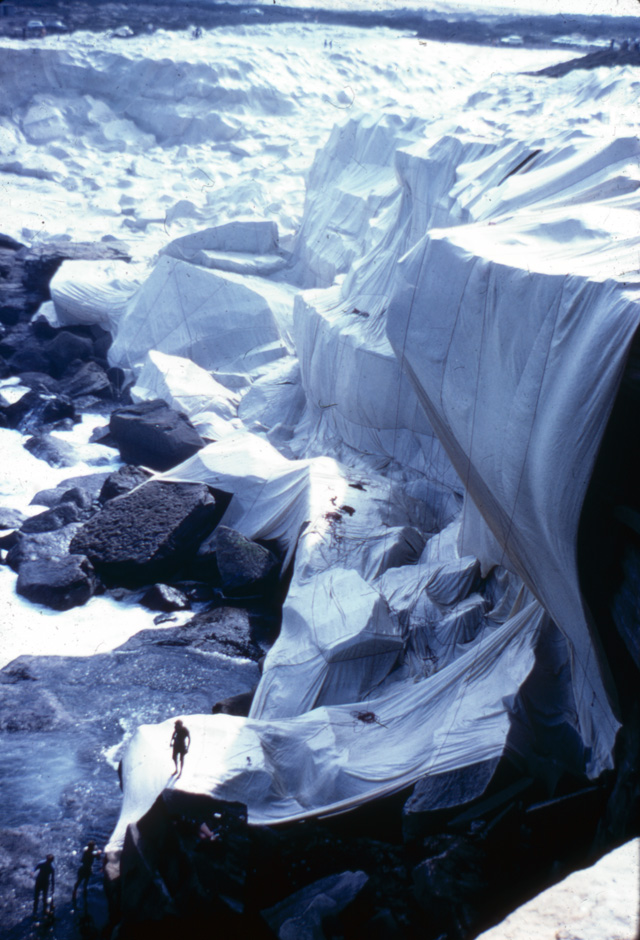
<point>45,874</point>
<point>180,741</point>
<point>84,872</point>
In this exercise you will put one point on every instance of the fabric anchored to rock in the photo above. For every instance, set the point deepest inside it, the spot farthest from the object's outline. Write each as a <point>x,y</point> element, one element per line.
<point>332,758</point>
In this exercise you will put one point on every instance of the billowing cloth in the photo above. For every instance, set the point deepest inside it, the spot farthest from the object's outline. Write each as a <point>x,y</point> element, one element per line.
<point>519,385</point>
<point>448,391</point>
<point>331,758</point>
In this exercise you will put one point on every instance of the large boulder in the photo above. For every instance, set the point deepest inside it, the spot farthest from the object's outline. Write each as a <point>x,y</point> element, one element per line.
<point>152,434</point>
<point>245,567</point>
<point>60,583</point>
<point>148,534</point>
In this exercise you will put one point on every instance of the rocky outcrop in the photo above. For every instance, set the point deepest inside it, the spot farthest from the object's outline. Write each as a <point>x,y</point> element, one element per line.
<point>154,435</point>
<point>150,533</point>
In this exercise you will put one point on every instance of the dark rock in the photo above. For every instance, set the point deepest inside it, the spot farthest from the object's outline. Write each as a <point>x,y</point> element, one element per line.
<point>11,518</point>
<point>28,707</point>
<point>87,378</point>
<point>188,850</point>
<point>239,705</point>
<point>205,566</point>
<point>8,538</point>
<point>52,519</point>
<point>60,583</point>
<point>122,481</point>
<point>55,452</point>
<point>40,382</point>
<point>14,338</point>
<point>154,435</point>
<point>46,546</point>
<point>29,357</point>
<point>146,535</point>
<point>66,347</point>
<point>302,914</point>
<point>16,672</point>
<point>37,408</point>
<point>450,884</point>
<point>90,485</point>
<point>441,792</point>
<point>164,618</point>
<point>79,497</point>
<point>223,630</point>
<point>103,436</point>
<point>165,598</point>
<point>245,567</point>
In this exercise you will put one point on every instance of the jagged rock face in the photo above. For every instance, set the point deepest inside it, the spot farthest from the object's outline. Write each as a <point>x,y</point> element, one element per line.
<point>149,533</point>
<point>152,434</point>
<point>60,583</point>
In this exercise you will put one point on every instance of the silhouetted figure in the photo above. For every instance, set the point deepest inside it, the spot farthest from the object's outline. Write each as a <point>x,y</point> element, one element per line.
<point>180,741</point>
<point>84,872</point>
<point>45,875</point>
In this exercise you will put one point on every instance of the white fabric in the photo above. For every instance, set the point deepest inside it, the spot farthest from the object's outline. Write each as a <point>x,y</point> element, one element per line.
<point>481,359</point>
<point>329,759</point>
<point>91,292</point>
<point>219,320</point>
<point>211,407</point>
<point>519,391</point>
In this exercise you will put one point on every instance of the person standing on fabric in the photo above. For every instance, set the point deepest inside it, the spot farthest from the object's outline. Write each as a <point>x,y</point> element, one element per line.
<point>84,872</point>
<point>180,741</point>
<point>45,873</point>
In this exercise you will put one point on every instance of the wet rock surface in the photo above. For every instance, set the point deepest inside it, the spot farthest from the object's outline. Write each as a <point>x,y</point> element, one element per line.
<point>62,724</point>
<point>60,583</point>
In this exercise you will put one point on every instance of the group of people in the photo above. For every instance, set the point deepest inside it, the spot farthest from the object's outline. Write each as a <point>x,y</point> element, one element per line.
<point>45,879</point>
<point>45,871</point>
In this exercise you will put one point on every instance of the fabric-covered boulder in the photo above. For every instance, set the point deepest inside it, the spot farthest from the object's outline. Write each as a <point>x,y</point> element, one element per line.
<point>60,583</point>
<point>152,434</point>
<point>148,534</point>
